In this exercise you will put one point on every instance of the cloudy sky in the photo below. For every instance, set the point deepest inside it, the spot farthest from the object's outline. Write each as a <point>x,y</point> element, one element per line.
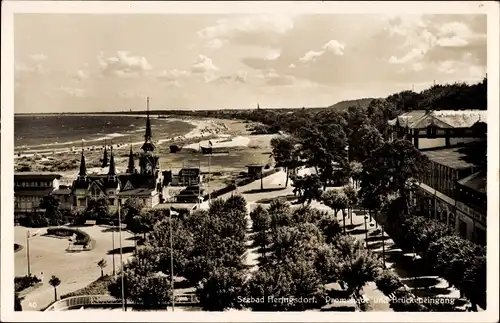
<point>85,62</point>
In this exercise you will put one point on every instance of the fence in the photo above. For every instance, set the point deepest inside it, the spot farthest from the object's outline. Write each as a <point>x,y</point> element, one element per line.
<point>108,300</point>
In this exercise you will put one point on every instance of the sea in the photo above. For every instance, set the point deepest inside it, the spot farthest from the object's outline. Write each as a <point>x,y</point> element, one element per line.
<point>40,133</point>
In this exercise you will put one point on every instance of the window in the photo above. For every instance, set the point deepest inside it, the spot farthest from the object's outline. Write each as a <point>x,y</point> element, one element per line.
<point>431,131</point>
<point>480,236</point>
<point>462,229</point>
<point>111,201</point>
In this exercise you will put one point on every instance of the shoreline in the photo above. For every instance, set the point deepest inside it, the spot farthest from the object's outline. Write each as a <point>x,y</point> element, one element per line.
<point>203,127</point>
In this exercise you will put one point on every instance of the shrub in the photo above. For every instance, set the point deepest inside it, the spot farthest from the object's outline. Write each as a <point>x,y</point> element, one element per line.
<point>23,282</point>
<point>97,287</point>
<point>82,238</point>
<point>34,220</point>
<point>388,282</point>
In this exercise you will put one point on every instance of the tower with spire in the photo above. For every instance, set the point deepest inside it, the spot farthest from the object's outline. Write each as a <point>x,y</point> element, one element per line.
<point>149,162</point>
<point>131,162</point>
<point>105,156</point>
<point>82,174</point>
<point>112,168</point>
<point>144,182</point>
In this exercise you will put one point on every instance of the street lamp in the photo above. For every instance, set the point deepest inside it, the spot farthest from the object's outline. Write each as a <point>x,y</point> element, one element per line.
<point>383,245</point>
<point>121,257</point>
<point>171,256</point>
<point>113,246</point>
<point>28,236</point>
<point>366,232</point>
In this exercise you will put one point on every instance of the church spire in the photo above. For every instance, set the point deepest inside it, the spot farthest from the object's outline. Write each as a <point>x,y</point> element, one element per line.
<point>148,135</point>
<point>105,157</point>
<point>131,163</point>
<point>112,168</point>
<point>148,145</point>
<point>83,167</point>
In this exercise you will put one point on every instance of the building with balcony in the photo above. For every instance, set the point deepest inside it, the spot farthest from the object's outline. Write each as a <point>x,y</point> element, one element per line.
<point>30,188</point>
<point>454,189</point>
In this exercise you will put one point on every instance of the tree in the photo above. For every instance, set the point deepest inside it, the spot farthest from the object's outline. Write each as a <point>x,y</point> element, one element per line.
<point>54,282</point>
<point>102,264</point>
<point>307,214</point>
<point>280,214</point>
<point>388,282</point>
<point>323,145</point>
<point>393,169</point>
<point>312,188</point>
<point>182,242</point>
<point>284,153</point>
<point>288,279</point>
<point>356,170</point>
<point>358,265</point>
<point>220,290</point>
<point>144,285</point>
<point>97,209</point>
<point>352,198</point>
<point>474,282</point>
<point>132,208</point>
<point>261,223</point>
<point>451,255</point>
<point>330,227</point>
<point>52,209</point>
<point>337,201</point>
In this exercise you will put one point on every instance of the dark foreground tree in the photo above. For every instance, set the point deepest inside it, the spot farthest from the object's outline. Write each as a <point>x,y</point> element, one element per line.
<point>220,290</point>
<point>54,282</point>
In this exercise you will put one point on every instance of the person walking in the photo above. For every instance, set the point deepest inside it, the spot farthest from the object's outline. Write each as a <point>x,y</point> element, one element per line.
<point>41,276</point>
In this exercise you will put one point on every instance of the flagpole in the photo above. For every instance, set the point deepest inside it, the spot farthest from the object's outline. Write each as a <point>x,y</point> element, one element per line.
<point>171,258</point>
<point>121,257</point>
<point>199,180</point>
<point>208,185</point>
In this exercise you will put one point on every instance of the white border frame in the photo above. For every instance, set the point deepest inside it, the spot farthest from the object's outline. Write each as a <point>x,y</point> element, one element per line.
<point>9,8</point>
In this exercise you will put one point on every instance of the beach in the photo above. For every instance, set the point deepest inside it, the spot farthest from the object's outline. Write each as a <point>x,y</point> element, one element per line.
<point>233,144</point>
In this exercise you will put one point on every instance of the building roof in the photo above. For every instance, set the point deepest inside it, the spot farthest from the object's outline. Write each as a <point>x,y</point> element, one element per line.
<point>62,191</point>
<point>143,191</point>
<point>23,176</point>
<point>476,182</point>
<point>420,119</point>
<point>407,118</point>
<point>451,157</point>
<point>32,192</point>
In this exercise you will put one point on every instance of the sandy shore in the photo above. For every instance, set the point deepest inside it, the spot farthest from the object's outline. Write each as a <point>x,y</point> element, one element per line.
<point>203,128</point>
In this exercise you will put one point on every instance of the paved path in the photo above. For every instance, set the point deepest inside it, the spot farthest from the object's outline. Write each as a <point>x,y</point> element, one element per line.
<point>412,274</point>
<point>75,270</point>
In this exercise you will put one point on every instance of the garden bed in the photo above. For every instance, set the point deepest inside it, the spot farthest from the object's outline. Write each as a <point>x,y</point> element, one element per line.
<point>25,284</point>
<point>81,238</point>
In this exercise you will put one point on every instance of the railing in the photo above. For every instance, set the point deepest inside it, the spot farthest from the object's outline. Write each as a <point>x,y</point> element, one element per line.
<point>76,301</point>
<point>86,300</point>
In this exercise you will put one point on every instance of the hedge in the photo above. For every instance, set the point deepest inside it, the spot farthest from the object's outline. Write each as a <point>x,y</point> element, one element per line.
<point>82,238</point>
<point>97,287</point>
<point>23,282</point>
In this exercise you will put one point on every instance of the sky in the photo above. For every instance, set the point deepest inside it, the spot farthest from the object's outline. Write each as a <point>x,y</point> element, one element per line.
<point>105,62</point>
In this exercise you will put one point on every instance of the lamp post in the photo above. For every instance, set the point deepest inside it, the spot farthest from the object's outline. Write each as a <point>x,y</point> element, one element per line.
<point>366,231</point>
<point>171,258</point>
<point>113,247</point>
<point>121,257</point>
<point>383,245</point>
<point>28,251</point>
